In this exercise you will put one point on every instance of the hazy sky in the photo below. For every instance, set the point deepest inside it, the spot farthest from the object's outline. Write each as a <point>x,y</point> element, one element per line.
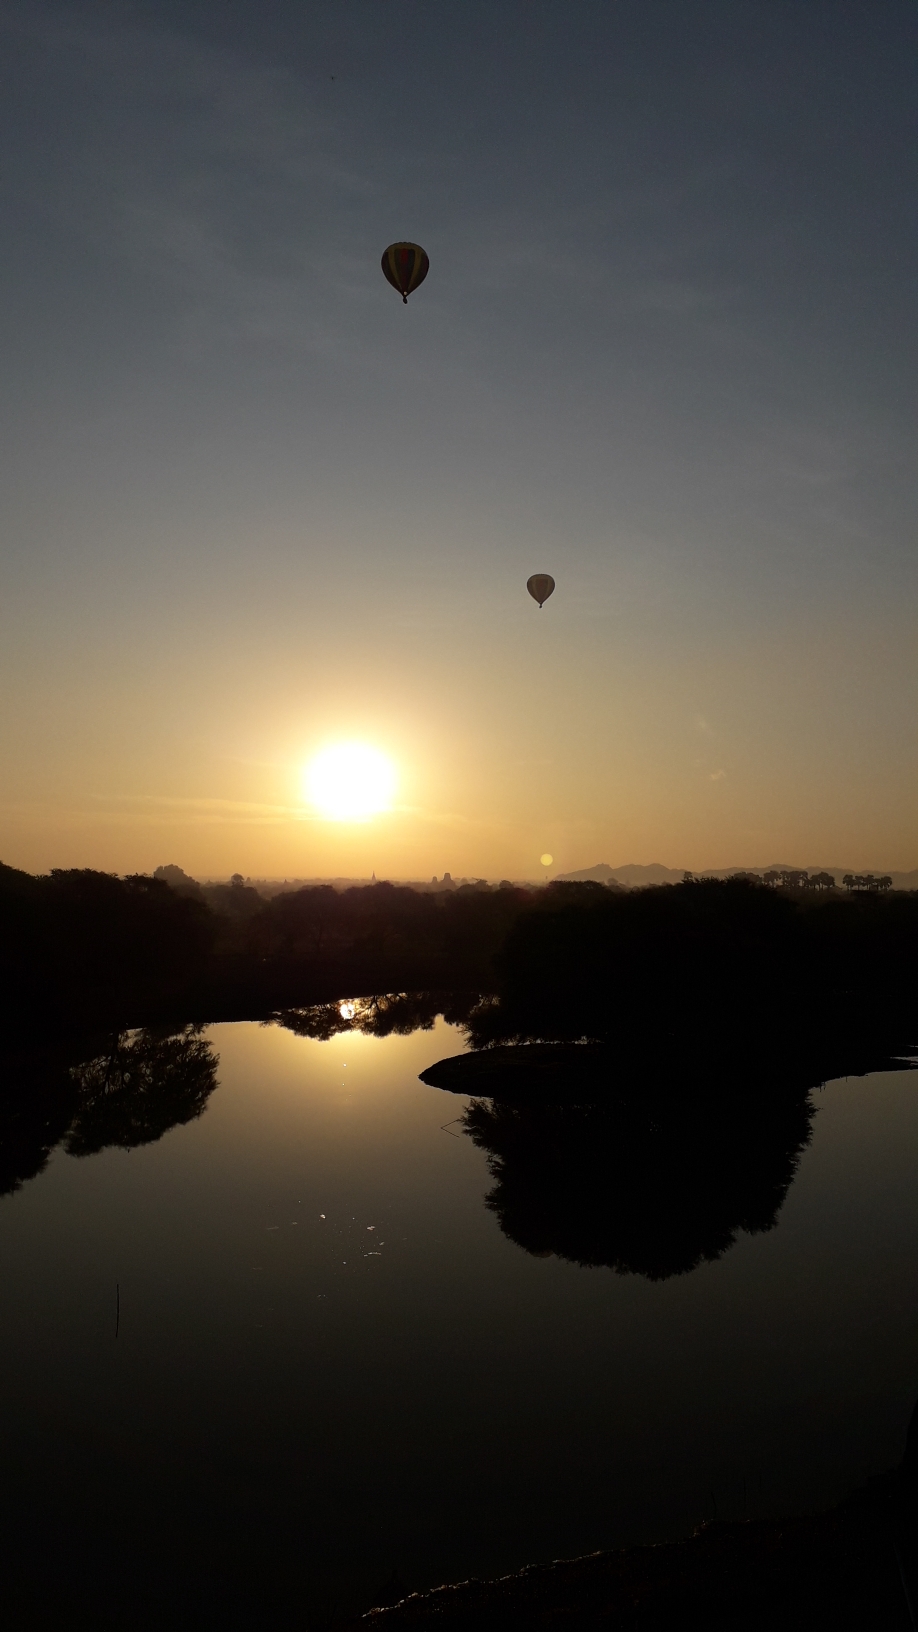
<point>252,506</point>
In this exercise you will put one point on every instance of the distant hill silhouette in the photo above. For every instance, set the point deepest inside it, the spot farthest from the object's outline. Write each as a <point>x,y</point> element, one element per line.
<point>633,874</point>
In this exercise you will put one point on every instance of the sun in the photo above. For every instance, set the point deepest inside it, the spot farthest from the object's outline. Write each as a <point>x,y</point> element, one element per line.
<point>350,782</point>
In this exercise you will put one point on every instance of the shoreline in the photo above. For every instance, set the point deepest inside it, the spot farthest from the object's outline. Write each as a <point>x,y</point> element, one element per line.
<point>853,1566</point>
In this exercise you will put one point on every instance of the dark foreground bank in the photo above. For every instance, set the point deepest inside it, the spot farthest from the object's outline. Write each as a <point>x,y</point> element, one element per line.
<point>855,1567</point>
<point>837,1571</point>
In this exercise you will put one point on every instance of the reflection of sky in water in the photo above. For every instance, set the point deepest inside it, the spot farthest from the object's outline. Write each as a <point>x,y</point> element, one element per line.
<point>331,1362</point>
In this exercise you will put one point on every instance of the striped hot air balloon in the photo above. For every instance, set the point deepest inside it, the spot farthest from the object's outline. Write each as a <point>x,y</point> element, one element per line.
<point>405,266</point>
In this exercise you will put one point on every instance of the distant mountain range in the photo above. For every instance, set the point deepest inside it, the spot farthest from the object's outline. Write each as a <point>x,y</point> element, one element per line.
<point>656,873</point>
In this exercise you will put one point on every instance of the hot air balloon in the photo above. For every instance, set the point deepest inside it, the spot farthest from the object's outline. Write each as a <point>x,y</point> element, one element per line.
<point>405,266</point>
<point>540,586</point>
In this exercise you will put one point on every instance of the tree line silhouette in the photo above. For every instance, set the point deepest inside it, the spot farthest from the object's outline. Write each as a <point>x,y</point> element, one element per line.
<point>82,949</point>
<point>867,881</point>
<point>733,962</point>
<point>726,971</point>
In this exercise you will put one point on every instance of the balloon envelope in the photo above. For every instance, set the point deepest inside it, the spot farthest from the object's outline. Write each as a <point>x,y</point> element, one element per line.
<point>405,266</point>
<point>540,586</point>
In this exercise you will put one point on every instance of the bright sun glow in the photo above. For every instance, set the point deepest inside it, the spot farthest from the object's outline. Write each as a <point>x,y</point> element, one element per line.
<point>350,782</point>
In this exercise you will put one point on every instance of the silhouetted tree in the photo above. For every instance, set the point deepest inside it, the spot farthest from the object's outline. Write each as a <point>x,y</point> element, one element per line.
<point>301,923</point>
<point>867,883</point>
<point>821,881</point>
<point>79,945</point>
<point>726,961</point>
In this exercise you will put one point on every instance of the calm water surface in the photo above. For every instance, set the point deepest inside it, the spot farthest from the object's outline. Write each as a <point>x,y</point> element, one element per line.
<point>331,1366</point>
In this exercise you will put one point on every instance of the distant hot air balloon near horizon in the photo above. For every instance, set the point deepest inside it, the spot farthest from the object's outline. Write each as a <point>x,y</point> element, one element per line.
<point>405,266</point>
<point>540,586</point>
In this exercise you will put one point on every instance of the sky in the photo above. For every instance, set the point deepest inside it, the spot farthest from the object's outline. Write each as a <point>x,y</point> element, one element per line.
<point>253,507</point>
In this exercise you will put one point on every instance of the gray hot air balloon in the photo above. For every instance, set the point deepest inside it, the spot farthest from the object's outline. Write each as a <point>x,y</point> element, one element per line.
<point>540,586</point>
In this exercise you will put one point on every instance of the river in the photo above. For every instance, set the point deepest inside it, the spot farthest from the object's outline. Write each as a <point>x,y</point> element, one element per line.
<point>285,1358</point>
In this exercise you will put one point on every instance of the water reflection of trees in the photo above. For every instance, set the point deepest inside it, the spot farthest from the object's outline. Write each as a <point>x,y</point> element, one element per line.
<point>385,1015</point>
<point>654,1187</point>
<point>36,1109</point>
<point>146,1083</point>
<point>130,1090</point>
